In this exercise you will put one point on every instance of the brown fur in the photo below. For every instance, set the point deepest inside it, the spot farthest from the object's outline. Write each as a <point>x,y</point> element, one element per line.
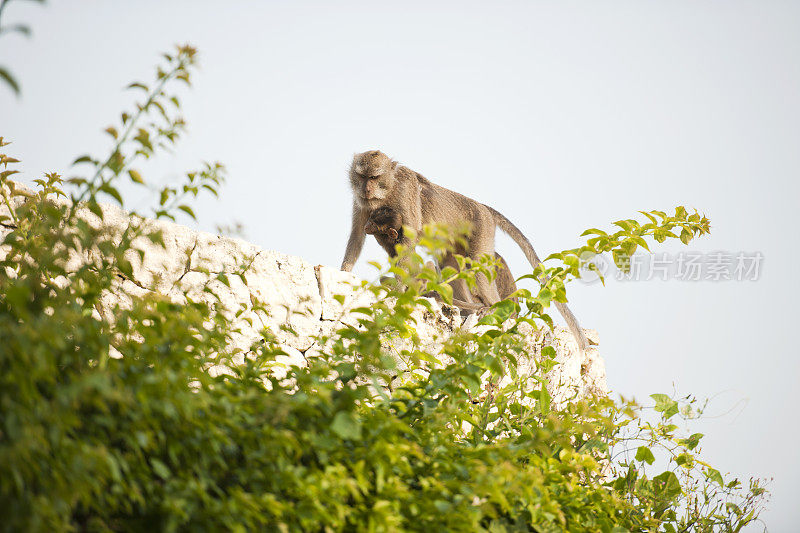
<point>385,225</point>
<point>378,181</point>
<point>506,285</point>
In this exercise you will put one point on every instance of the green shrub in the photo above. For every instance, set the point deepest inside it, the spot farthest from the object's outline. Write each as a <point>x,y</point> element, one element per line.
<point>111,421</point>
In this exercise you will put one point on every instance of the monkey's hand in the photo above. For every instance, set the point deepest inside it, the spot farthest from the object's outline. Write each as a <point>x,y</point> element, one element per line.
<point>347,267</point>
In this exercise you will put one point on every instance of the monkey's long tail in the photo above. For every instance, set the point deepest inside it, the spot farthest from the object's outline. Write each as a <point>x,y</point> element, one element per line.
<point>522,241</point>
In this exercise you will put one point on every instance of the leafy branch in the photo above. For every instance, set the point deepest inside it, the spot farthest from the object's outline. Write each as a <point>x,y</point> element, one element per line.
<point>133,140</point>
<point>22,29</point>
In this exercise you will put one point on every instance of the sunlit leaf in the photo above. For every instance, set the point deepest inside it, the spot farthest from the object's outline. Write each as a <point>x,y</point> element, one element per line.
<point>135,176</point>
<point>188,210</point>
<point>6,76</point>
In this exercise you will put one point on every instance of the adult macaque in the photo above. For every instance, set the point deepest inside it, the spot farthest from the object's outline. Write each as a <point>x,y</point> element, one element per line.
<point>377,182</point>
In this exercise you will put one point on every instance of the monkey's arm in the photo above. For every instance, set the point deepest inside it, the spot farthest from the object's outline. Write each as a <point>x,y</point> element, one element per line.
<point>356,241</point>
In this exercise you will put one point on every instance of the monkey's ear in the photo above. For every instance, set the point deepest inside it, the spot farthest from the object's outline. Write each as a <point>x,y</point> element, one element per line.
<point>392,233</point>
<point>394,165</point>
<point>370,228</point>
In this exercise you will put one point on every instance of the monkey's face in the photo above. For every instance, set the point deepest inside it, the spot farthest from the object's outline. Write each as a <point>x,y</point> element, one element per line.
<point>372,176</point>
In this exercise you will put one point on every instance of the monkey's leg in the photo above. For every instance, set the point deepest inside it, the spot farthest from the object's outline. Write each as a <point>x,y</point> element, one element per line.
<point>481,242</point>
<point>506,285</point>
<point>460,289</point>
<point>462,298</point>
<point>487,290</point>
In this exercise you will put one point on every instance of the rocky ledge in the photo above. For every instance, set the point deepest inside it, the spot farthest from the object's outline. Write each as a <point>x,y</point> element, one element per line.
<point>298,294</point>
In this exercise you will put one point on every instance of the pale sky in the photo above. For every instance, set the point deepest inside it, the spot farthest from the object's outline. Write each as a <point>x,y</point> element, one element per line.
<point>563,116</point>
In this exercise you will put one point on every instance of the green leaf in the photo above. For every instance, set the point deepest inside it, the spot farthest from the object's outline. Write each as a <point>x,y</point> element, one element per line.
<point>662,401</point>
<point>593,231</point>
<point>693,440</point>
<point>346,425</point>
<point>17,296</point>
<point>112,191</point>
<point>671,410</point>
<point>17,28</point>
<point>135,176</point>
<point>137,85</point>
<point>650,217</point>
<point>160,469</point>
<point>503,309</point>
<point>188,210</point>
<point>6,76</point>
<point>643,453</point>
<point>544,400</point>
<point>668,484</point>
<point>160,108</point>
<point>624,224</point>
<point>116,162</point>
<point>714,475</point>
<point>83,159</point>
<point>125,267</point>
<point>94,207</point>
<point>156,237</point>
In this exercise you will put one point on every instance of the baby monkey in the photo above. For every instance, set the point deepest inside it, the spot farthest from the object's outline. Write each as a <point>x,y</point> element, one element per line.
<point>387,226</point>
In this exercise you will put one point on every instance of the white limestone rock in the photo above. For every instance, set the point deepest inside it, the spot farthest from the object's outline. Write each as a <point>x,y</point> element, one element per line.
<point>299,299</point>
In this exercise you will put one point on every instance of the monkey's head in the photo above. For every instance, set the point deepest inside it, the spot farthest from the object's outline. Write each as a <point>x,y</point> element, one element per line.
<point>384,221</point>
<point>372,176</point>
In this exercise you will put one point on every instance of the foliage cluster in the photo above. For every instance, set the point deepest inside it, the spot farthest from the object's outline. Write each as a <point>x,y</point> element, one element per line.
<point>110,421</point>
